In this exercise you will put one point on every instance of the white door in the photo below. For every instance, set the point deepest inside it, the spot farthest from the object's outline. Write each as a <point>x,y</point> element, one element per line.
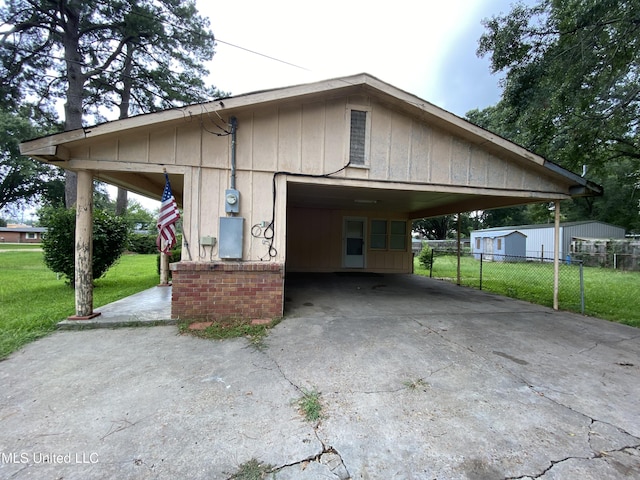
<point>354,230</point>
<point>488,249</point>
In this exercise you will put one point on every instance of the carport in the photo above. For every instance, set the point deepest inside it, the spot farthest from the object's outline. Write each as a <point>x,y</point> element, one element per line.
<point>320,177</point>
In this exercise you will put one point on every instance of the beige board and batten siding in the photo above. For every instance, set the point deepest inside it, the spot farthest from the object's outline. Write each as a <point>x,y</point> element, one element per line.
<point>300,137</point>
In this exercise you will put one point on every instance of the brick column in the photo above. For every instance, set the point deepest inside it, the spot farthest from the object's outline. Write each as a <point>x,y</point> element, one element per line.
<point>221,290</point>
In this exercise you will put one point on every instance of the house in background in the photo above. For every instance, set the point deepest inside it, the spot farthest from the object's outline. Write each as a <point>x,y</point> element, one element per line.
<point>21,234</point>
<point>499,245</point>
<point>540,238</point>
<point>322,177</point>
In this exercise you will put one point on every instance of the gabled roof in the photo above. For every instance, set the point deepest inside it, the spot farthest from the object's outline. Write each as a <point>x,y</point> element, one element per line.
<point>52,149</point>
<point>496,233</point>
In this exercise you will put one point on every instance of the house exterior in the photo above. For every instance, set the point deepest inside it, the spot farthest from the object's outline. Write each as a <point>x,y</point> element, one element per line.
<point>540,238</point>
<point>21,234</point>
<point>322,177</point>
<point>499,245</point>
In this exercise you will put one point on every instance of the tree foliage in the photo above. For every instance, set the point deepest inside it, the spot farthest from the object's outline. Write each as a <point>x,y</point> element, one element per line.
<point>572,83</point>
<point>110,234</point>
<point>22,181</point>
<point>143,55</point>
<point>571,90</point>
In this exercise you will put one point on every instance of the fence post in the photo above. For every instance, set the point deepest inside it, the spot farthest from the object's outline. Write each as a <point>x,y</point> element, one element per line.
<point>582,287</point>
<point>480,270</point>
<point>431,268</point>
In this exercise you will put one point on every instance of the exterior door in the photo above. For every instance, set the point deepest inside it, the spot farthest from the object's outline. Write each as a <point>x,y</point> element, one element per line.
<point>354,230</point>
<point>488,250</point>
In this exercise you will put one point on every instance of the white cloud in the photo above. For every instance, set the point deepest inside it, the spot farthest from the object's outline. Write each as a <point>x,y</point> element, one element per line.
<point>401,42</point>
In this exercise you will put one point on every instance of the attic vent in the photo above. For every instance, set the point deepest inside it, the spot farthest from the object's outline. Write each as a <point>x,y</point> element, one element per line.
<point>358,136</point>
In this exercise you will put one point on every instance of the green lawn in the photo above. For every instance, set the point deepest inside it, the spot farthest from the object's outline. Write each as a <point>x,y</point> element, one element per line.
<point>20,246</point>
<point>33,300</point>
<point>609,294</point>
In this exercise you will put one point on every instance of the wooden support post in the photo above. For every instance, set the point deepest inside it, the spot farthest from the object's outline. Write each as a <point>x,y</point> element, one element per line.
<point>556,256</point>
<point>164,269</point>
<point>84,248</point>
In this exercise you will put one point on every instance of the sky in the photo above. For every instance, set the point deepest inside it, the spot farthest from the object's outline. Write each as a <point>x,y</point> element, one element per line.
<point>425,47</point>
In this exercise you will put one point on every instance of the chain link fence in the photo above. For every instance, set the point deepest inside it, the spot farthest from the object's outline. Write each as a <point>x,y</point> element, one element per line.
<point>524,278</point>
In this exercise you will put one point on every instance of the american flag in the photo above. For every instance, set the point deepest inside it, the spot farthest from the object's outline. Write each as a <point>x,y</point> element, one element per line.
<point>167,219</point>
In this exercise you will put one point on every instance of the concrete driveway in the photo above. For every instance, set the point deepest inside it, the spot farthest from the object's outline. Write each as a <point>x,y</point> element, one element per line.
<point>419,379</point>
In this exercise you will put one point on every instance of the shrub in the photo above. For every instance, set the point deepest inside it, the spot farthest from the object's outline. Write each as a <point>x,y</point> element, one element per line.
<point>143,243</point>
<point>425,256</point>
<point>110,235</point>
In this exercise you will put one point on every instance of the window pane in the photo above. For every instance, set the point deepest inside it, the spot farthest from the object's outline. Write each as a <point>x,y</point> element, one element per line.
<point>378,241</point>
<point>358,133</point>
<point>379,226</point>
<point>398,242</point>
<point>398,228</point>
<point>354,229</point>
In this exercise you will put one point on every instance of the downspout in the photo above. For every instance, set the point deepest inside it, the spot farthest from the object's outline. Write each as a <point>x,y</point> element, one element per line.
<point>234,126</point>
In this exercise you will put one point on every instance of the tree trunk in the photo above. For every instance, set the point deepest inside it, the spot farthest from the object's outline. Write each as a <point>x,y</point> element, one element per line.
<point>121,202</point>
<point>75,86</point>
<point>125,100</point>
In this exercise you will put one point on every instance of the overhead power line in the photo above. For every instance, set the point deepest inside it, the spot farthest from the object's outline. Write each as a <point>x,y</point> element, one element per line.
<point>262,55</point>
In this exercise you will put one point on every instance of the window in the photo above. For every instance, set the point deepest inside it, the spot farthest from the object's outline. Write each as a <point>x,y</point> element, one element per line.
<point>378,234</point>
<point>499,244</point>
<point>31,236</point>
<point>398,239</point>
<point>390,235</point>
<point>477,243</point>
<point>358,138</point>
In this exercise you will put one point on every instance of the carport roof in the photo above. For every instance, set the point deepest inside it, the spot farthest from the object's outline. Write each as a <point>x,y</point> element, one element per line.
<point>148,179</point>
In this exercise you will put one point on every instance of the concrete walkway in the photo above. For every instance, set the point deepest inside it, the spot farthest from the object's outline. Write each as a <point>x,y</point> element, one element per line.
<point>149,307</point>
<point>419,379</point>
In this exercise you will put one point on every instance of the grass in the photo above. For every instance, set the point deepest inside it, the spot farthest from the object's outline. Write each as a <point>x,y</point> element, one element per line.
<point>418,384</point>
<point>609,294</point>
<point>252,470</point>
<point>309,405</point>
<point>230,328</point>
<point>34,300</point>
<point>20,246</point>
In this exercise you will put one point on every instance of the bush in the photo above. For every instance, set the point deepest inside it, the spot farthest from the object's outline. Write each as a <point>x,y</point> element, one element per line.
<point>110,235</point>
<point>143,243</point>
<point>425,256</point>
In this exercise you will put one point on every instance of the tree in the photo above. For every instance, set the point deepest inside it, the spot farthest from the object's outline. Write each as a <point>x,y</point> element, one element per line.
<point>22,181</point>
<point>444,227</point>
<point>572,78</point>
<point>92,49</point>
<point>571,92</point>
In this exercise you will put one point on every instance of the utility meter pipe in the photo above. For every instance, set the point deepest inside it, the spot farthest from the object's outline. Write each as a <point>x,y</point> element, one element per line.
<point>234,126</point>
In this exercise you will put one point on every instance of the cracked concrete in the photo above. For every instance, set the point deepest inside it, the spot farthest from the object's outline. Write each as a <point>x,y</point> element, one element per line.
<point>418,380</point>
